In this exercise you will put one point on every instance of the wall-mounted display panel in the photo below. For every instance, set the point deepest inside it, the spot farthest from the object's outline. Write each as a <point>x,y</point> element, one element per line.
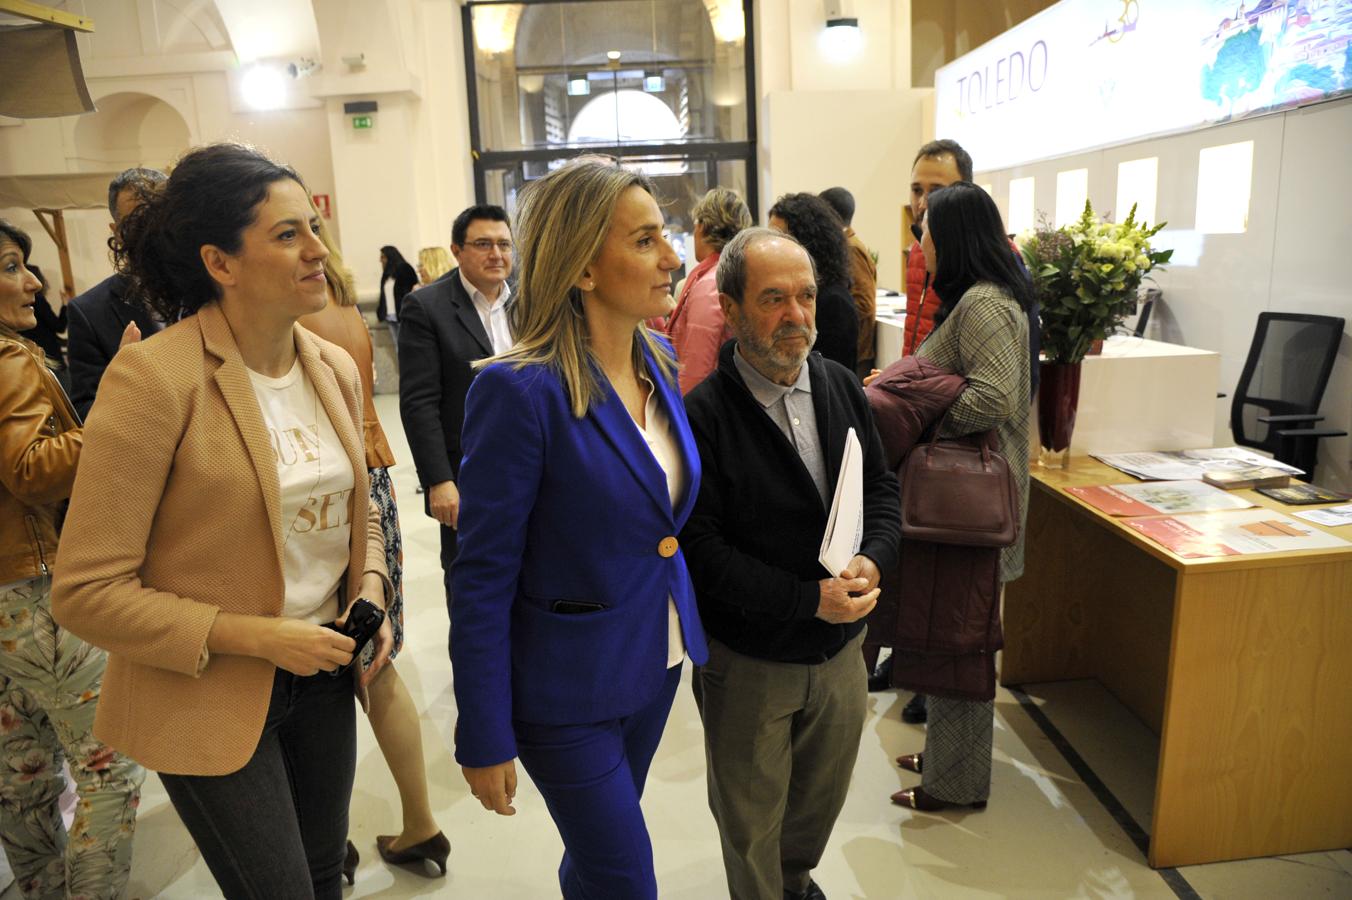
<point>1022,214</point>
<point>1093,73</point>
<point>1137,185</point>
<point>1072,190</point>
<point>1224,183</point>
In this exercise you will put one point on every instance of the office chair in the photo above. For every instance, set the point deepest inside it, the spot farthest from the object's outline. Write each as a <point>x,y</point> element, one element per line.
<point>1279,391</point>
<point>1148,304</point>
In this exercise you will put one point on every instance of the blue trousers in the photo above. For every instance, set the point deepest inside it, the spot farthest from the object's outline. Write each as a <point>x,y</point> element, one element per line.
<point>592,778</point>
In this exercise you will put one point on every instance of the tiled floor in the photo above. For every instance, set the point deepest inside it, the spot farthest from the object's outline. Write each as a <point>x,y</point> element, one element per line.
<point>1044,834</point>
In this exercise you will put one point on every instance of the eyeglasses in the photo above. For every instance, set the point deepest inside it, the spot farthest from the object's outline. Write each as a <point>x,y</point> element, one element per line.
<point>483,245</point>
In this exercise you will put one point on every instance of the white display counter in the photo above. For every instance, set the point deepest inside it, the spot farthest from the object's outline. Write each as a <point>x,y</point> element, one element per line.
<point>1136,395</point>
<point>1144,395</point>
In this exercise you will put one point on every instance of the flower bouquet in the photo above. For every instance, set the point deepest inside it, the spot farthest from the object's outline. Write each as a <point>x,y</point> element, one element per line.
<point>1085,276</point>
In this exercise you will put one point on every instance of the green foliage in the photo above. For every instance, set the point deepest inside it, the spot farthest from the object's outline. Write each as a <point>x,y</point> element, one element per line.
<point>1086,276</point>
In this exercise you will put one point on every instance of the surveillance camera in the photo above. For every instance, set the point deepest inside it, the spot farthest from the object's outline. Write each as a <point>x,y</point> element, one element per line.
<point>302,68</point>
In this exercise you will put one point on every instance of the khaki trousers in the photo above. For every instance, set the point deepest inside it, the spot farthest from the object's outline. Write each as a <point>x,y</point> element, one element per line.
<point>780,740</point>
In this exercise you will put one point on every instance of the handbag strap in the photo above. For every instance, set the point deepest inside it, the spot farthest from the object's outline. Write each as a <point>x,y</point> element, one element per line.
<point>987,439</point>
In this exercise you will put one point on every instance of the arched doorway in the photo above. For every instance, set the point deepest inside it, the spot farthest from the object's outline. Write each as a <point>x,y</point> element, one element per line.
<point>663,84</point>
<point>130,129</point>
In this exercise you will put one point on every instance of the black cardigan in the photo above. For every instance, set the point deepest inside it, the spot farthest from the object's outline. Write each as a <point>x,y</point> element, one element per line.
<point>753,538</point>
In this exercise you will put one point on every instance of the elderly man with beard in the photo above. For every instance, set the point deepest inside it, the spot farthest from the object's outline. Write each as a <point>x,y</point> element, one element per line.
<point>783,694</point>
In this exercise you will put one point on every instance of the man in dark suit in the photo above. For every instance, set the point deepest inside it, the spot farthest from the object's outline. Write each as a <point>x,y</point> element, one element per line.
<point>444,327</point>
<point>102,316</point>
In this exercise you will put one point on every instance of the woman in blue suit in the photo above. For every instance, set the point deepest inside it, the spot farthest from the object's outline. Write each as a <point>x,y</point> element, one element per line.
<point>571,607</point>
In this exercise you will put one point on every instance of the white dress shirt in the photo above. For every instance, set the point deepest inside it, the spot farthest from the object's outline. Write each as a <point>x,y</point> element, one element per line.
<point>667,452</point>
<point>493,313</point>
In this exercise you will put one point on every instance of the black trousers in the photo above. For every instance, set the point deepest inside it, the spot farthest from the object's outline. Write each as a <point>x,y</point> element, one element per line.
<point>277,828</point>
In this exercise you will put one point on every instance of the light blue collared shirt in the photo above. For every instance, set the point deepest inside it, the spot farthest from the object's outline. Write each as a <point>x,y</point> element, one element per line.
<point>790,408</point>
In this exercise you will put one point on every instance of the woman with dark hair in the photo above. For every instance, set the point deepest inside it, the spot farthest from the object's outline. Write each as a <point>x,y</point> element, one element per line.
<point>397,278</point>
<point>981,334</point>
<point>572,609</point>
<point>815,225</point>
<point>392,713</point>
<point>49,678</point>
<point>221,529</point>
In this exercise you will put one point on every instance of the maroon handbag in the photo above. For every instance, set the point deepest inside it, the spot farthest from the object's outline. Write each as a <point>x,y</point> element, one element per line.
<point>959,492</point>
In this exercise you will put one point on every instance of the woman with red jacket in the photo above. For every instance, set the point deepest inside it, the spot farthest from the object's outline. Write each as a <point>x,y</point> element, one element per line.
<point>696,326</point>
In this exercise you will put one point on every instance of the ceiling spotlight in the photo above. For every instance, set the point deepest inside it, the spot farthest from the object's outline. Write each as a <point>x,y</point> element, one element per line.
<point>263,87</point>
<point>613,55</point>
<point>841,40</point>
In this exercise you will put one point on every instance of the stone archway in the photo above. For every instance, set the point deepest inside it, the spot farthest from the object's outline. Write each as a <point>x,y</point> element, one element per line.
<point>130,129</point>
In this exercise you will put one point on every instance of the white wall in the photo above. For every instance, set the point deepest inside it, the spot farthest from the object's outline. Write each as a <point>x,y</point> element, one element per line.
<point>400,183</point>
<point>403,181</point>
<point>855,123</point>
<point>182,59</point>
<point>1292,258</point>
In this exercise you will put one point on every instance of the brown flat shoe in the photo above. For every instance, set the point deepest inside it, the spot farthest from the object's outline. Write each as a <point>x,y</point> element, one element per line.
<point>911,762</point>
<point>915,798</point>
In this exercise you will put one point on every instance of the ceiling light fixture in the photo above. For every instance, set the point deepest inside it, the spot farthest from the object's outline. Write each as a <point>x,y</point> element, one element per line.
<point>263,87</point>
<point>841,40</point>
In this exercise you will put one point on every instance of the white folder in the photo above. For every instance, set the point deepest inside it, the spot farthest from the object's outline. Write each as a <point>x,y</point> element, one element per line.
<point>845,524</point>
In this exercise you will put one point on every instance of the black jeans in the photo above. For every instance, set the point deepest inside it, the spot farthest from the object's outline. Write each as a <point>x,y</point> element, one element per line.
<point>277,828</point>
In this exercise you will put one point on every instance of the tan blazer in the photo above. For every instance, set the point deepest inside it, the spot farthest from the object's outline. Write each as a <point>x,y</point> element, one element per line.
<point>175,516</point>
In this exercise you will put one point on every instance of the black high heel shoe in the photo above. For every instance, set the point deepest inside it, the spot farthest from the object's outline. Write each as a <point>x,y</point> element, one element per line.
<point>434,850</point>
<point>350,863</point>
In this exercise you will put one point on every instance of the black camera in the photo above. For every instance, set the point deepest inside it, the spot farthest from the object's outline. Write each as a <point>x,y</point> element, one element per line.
<point>363,621</point>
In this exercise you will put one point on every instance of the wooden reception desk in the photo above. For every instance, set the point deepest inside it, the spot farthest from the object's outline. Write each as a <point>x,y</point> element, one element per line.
<point>1242,666</point>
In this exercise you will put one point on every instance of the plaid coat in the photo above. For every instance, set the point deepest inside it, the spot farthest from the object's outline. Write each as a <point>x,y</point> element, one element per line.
<point>985,340</point>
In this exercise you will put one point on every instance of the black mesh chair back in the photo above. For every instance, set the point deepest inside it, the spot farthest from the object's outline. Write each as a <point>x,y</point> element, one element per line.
<point>1285,375</point>
<point>1147,305</point>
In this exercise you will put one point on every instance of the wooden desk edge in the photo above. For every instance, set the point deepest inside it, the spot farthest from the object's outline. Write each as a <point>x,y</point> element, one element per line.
<point>1085,471</point>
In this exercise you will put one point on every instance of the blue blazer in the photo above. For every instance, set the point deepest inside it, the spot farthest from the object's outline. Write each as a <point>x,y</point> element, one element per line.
<point>552,508</point>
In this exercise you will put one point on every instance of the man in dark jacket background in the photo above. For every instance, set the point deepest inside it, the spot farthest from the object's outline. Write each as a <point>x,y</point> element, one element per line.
<point>107,314</point>
<point>444,327</point>
<point>783,696</point>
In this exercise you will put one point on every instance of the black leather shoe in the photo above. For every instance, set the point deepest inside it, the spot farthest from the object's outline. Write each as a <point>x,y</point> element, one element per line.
<point>813,892</point>
<point>914,712</point>
<point>881,677</point>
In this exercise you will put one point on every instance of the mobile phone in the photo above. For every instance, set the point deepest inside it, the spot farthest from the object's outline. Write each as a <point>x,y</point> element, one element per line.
<point>363,621</point>
<point>574,607</point>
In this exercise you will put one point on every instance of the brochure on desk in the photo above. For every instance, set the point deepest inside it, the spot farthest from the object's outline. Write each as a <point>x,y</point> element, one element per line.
<point>1333,516</point>
<point>1238,533</point>
<point>1154,498</point>
<point>1188,465</point>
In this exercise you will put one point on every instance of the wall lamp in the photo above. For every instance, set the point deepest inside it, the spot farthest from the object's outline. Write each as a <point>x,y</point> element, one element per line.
<point>841,40</point>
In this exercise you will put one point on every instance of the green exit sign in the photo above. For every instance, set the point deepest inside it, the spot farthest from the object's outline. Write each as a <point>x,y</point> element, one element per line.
<point>360,122</point>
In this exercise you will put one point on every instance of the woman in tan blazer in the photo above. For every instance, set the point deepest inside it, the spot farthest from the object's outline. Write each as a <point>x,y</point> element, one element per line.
<point>392,712</point>
<point>220,518</point>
